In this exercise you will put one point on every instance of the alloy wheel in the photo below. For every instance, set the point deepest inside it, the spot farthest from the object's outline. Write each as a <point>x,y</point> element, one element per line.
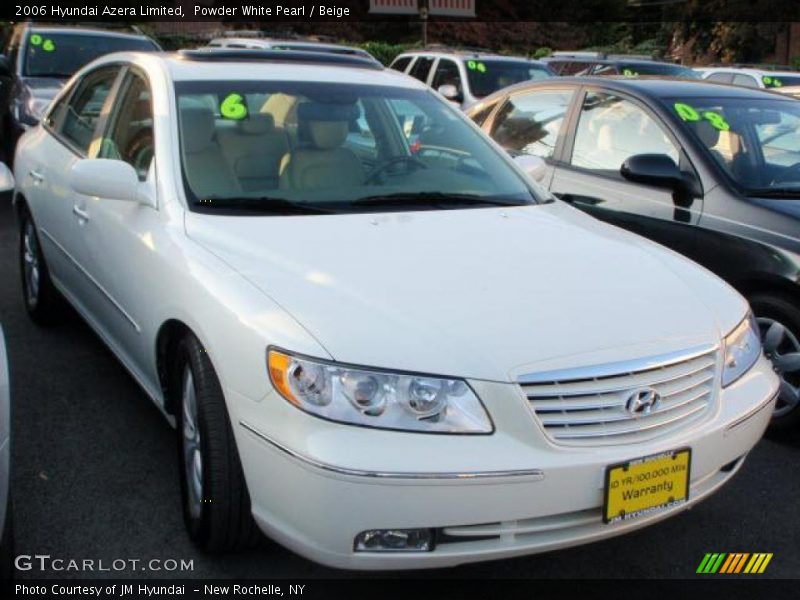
<point>192,453</point>
<point>782,348</point>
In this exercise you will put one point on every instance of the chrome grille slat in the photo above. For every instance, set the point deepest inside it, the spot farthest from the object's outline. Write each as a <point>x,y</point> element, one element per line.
<point>591,409</point>
<point>624,381</point>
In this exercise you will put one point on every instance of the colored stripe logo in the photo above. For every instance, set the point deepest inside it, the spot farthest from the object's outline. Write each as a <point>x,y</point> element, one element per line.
<point>734,562</point>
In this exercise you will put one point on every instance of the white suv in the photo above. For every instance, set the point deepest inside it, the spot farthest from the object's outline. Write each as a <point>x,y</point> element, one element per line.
<point>385,349</point>
<point>748,77</point>
<point>465,77</point>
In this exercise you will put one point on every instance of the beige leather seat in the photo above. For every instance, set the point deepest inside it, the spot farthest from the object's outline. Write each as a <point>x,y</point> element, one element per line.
<point>322,161</point>
<point>207,170</point>
<point>254,149</point>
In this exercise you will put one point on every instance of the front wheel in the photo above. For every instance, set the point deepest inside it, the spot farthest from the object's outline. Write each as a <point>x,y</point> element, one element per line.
<point>779,322</point>
<point>216,503</point>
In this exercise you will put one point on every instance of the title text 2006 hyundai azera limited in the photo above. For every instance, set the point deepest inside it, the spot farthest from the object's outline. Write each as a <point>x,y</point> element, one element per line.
<point>380,342</point>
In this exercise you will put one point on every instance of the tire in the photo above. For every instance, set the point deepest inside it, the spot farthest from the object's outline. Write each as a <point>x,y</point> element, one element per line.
<point>216,503</point>
<point>42,301</point>
<point>771,308</point>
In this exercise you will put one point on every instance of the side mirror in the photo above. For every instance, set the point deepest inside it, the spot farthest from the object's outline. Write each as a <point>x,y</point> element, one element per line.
<point>6,178</point>
<point>105,178</point>
<point>449,91</point>
<point>5,66</point>
<point>658,170</point>
<point>534,166</point>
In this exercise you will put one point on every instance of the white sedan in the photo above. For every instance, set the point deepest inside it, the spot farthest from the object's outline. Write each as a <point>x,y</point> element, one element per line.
<point>381,342</point>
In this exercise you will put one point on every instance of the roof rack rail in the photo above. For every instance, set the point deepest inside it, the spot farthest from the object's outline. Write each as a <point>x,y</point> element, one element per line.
<point>207,54</point>
<point>95,25</point>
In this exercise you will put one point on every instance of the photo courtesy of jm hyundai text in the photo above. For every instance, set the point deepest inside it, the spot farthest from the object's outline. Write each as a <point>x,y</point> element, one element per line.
<point>381,343</point>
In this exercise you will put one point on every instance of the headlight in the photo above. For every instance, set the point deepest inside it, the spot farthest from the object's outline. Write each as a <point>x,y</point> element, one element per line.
<point>742,349</point>
<point>373,398</point>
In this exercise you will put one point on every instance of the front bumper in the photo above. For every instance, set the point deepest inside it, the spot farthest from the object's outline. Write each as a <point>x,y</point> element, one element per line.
<point>314,485</point>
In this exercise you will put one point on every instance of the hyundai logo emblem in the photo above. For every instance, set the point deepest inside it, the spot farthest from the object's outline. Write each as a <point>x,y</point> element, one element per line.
<point>642,402</point>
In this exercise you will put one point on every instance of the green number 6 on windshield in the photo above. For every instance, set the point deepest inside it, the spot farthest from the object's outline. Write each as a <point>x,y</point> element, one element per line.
<point>233,107</point>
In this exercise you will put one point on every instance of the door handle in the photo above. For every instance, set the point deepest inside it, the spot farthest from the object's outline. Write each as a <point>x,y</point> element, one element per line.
<point>36,176</point>
<point>80,213</point>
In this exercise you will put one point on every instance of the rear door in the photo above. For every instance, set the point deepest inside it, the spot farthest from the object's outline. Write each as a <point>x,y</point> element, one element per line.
<point>608,128</point>
<point>67,136</point>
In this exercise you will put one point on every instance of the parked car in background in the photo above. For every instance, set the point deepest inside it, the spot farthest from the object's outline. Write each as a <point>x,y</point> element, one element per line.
<point>789,90</point>
<point>751,77</point>
<point>711,171</point>
<point>466,76</point>
<point>378,370</point>
<point>598,63</point>
<point>257,43</point>
<point>6,525</point>
<point>38,59</point>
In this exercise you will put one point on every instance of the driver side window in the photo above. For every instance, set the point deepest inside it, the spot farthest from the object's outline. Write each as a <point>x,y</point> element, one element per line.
<point>130,134</point>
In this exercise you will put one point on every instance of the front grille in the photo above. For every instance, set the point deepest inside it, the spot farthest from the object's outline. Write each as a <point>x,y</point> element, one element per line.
<point>591,407</point>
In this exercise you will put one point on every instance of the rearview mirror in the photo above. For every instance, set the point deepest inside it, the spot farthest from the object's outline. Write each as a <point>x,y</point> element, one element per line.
<point>6,178</point>
<point>534,166</point>
<point>658,170</point>
<point>105,178</point>
<point>449,91</point>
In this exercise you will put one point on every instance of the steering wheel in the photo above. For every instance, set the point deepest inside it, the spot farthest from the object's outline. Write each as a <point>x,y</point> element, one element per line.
<point>410,161</point>
<point>791,173</point>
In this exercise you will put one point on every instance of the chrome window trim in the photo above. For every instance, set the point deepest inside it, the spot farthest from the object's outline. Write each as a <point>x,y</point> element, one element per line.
<point>534,474</point>
<point>617,368</point>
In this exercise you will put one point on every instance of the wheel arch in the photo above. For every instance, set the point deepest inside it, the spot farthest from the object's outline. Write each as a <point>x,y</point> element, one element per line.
<point>171,332</point>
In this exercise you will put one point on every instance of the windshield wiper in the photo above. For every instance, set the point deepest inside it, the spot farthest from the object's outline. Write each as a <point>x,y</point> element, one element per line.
<point>774,192</point>
<point>259,206</point>
<point>432,199</point>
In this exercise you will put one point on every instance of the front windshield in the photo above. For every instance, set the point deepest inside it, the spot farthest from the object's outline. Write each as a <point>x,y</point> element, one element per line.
<point>61,54</point>
<point>271,146</point>
<point>755,141</point>
<point>488,76</point>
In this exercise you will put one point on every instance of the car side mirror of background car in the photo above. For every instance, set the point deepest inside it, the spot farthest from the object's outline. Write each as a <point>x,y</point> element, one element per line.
<point>6,178</point>
<point>106,178</point>
<point>449,91</point>
<point>5,66</point>
<point>534,166</point>
<point>658,170</point>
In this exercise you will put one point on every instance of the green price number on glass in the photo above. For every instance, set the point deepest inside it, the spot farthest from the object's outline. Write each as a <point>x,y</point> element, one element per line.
<point>233,107</point>
<point>689,113</point>
<point>36,40</point>
<point>629,73</point>
<point>474,65</point>
<point>48,46</point>
<point>770,81</point>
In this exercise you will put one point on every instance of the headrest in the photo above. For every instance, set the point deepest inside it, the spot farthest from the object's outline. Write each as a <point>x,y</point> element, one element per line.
<point>708,134</point>
<point>197,127</point>
<point>319,111</point>
<point>327,135</point>
<point>257,124</point>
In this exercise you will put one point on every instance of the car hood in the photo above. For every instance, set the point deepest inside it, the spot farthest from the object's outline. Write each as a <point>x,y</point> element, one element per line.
<point>43,87</point>
<point>480,293</point>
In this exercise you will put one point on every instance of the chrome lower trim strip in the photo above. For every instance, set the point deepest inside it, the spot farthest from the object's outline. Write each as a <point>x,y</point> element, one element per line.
<point>536,474</point>
<point>617,368</point>
<point>94,282</point>
<point>752,413</point>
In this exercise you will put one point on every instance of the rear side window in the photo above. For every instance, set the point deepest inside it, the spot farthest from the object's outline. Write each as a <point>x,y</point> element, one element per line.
<point>745,80</point>
<point>721,77</point>
<point>421,68</point>
<point>78,117</point>
<point>401,63</point>
<point>529,123</point>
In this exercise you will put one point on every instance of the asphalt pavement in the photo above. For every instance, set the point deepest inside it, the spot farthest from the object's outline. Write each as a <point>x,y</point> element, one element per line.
<point>94,477</point>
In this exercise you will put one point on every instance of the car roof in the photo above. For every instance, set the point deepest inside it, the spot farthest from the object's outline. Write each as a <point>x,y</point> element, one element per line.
<point>468,54</point>
<point>87,31</point>
<point>652,87</point>
<point>266,65</point>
